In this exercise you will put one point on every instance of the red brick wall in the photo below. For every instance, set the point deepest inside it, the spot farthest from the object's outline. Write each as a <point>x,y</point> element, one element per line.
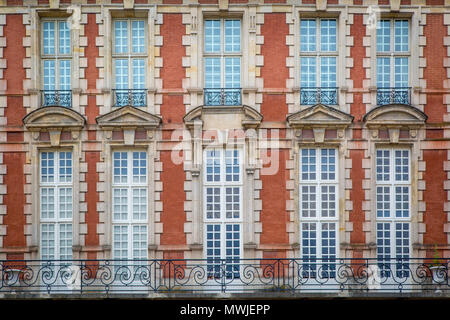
<point>357,73</point>
<point>91,72</point>
<point>92,197</point>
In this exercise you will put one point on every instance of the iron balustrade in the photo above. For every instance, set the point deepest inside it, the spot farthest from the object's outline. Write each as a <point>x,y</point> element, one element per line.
<point>52,98</point>
<point>222,97</point>
<point>319,95</point>
<point>130,97</point>
<point>222,275</point>
<point>395,95</point>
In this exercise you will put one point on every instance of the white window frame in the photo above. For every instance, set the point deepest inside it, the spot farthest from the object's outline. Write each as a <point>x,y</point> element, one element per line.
<point>318,220</point>
<point>56,56</point>
<point>223,221</point>
<point>57,221</point>
<point>130,56</point>
<point>392,54</point>
<point>222,54</point>
<point>392,220</point>
<point>130,222</point>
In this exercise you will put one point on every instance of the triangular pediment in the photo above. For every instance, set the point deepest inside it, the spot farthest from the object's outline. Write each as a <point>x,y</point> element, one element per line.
<point>128,117</point>
<point>53,117</point>
<point>319,115</point>
<point>395,115</point>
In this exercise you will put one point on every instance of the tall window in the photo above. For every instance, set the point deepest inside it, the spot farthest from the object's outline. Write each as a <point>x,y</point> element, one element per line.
<point>130,205</point>
<point>222,63</point>
<point>56,205</point>
<point>393,202</point>
<point>222,190</point>
<point>318,194</point>
<point>130,55</point>
<point>56,55</point>
<point>393,52</point>
<point>318,61</point>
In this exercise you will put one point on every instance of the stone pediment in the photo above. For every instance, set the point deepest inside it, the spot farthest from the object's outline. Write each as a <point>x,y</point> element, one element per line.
<point>398,115</point>
<point>228,117</point>
<point>54,117</point>
<point>319,116</point>
<point>128,117</point>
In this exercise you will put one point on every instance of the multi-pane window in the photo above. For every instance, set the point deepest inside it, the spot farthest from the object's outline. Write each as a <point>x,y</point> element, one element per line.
<point>56,205</point>
<point>393,55</point>
<point>56,59</point>
<point>318,61</point>
<point>130,205</point>
<point>222,62</point>
<point>393,203</point>
<point>222,192</point>
<point>318,196</point>
<point>129,56</point>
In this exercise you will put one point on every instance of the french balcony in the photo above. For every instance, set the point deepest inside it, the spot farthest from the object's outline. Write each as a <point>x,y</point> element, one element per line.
<point>222,97</point>
<point>203,276</point>
<point>393,95</point>
<point>52,98</point>
<point>130,97</point>
<point>319,95</point>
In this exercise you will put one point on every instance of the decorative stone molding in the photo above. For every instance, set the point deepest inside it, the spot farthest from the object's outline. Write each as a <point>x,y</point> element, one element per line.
<point>128,119</point>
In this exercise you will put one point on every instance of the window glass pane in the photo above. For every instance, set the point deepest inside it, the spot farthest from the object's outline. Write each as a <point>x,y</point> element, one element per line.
<point>138,36</point>
<point>309,248</point>
<point>384,36</point>
<point>120,37</point>
<point>308,164</point>
<point>212,35</point>
<point>232,165</point>
<point>328,201</point>
<point>212,73</point>
<point>65,166</point>
<point>402,201</point>
<point>308,72</point>
<point>328,72</point>
<point>65,241</point>
<point>383,202</point>
<point>48,30</point>
<point>401,72</point>
<point>213,247</point>
<point>140,247</point>
<point>232,249</point>
<point>308,35</point>
<point>232,72</point>
<point>138,74</point>
<point>121,74</point>
<point>328,35</point>
<point>401,165</point>
<point>213,203</point>
<point>139,167</point>
<point>47,167</point>
<point>232,35</point>
<point>48,241</point>
<point>328,248</point>
<point>328,164</point>
<point>120,242</point>
<point>49,75</point>
<point>139,204</point>
<point>120,204</point>
<point>401,38</point>
<point>212,165</point>
<point>383,72</point>
<point>48,203</point>
<point>65,203</point>
<point>308,201</point>
<point>64,74</point>
<point>232,202</point>
<point>120,167</point>
<point>64,38</point>
<point>383,165</point>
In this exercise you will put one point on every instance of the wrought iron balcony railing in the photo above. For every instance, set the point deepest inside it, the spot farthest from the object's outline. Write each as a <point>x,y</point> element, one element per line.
<point>222,97</point>
<point>397,95</point>
<point>51,98</point>
<point>363,276</point>
<point>130,97</point>
<point>316,95</point>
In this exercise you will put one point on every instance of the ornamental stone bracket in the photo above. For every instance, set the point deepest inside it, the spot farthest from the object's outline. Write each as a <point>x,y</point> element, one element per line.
<point>128,119</point>
<point>54,120</point>
<point>394,122</point>
<point>319,122</point>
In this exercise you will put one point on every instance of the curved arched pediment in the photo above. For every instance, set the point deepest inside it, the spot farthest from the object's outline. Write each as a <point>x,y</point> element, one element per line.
<point>395,115</point>
<point>321,116</point>
<point>128,117</point>
<point>54,117</point>
<point>231,117</point>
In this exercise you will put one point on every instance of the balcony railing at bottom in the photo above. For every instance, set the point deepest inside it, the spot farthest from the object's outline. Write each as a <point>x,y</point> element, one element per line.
<point>396,95</point>
<point>222,97</point>
<point>51,98</point>
<point>222,275</point>
<point>324,95</point>
<point>130,97</point>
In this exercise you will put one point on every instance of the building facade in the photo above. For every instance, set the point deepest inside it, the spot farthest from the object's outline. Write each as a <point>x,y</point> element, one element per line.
<point>309,136</point>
